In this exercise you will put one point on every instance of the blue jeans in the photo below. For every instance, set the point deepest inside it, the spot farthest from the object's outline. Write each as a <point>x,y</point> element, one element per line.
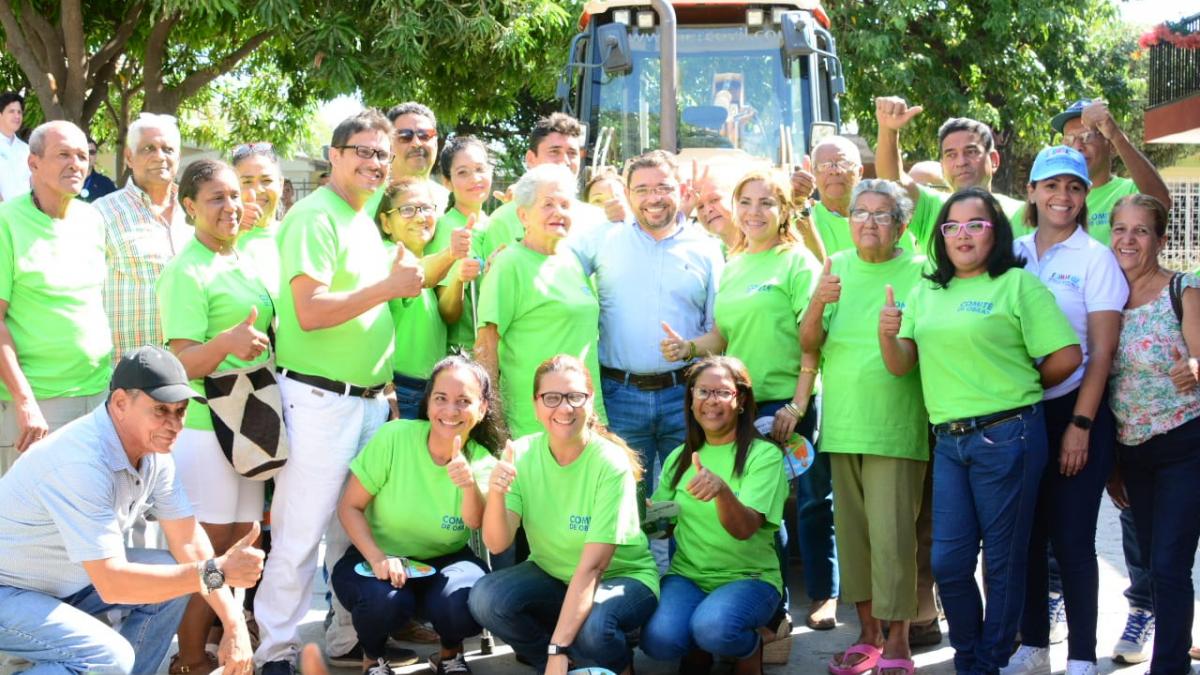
<point>651,422</point>
<point>1138,595</point>
<point>377,608</point>
<point>62,635</point>
<point>1160,478</point>
<point>409,392</point>
<point>985,486</point>
<point>520,605</point>
<point>722,623</point>
<point>1065,519</point>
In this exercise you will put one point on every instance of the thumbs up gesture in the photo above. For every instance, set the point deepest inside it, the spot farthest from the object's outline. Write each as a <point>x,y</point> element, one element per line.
<point>673,346</point>
<point>457,468</point>
<point>242,564</point>
<point>705,485</point>
<point>802,181</point>
<point>244,341</point>
<point>829,287</point>
<point>406,278</point>
<point>894,113</point>
<point>1185,372</point>
<point>251,214</point>
<point>890,315</point>
<point>460,239</point>
<point>504,473</point>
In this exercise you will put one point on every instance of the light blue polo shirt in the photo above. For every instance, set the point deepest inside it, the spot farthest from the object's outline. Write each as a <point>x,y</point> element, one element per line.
<point>642,282</point>
<point>71,498</point>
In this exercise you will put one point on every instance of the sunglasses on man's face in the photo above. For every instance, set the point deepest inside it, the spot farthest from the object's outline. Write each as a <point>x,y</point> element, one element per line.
<point>422,135</point>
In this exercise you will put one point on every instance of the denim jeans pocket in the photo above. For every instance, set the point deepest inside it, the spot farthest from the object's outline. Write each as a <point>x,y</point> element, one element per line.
<point>1008,432</point>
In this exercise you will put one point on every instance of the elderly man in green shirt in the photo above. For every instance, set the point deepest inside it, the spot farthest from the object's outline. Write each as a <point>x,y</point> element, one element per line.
<point>55,342</point>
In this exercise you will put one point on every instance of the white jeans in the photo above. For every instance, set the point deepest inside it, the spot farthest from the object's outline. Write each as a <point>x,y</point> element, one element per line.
<point>325,432</point>
<point>219,495</point>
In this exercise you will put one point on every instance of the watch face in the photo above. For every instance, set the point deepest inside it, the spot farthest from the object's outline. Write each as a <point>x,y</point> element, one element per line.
<point>214,578</point>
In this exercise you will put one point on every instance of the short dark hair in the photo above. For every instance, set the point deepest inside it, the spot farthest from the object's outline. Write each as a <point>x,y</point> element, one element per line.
<point>602,174</point>
<point>197,174</point>
<point>1158,212</point>
<point>411,108</point>
<point>366,120</point>
<point>91,141</point>
<point>455,145</point>
<point>555,123</point>
<point>651,159</point>
<point>1000,259</point>
<point>10,97</point>
<point>983,131</point>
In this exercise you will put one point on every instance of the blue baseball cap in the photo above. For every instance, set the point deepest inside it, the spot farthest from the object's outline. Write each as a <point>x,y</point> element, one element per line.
<point>1059,160</point>
<point>1072,111</point>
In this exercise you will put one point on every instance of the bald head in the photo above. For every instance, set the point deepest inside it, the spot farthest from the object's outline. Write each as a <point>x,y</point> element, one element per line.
<point>58,160</point>
<point>62,128</point>
<point>837,168</point>
<point>832,145</point>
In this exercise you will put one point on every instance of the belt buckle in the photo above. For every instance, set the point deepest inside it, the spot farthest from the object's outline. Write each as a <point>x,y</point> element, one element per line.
<point>960,428</point>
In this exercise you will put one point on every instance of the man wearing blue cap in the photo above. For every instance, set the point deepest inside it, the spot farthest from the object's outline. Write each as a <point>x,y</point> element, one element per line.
<point>1089,127</point>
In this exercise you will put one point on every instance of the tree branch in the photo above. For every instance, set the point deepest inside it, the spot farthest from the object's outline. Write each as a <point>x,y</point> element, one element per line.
<point>199,79</point>
<point>152,66</point>
<point>116,44</point>
<point>28,55</point>
<point>75,63</point>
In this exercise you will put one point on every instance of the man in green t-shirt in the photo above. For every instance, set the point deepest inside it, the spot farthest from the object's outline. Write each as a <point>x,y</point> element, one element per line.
<point>334,350</point>
<point>1089,127</point>
<point>415,148</point>
<point>55,343</point>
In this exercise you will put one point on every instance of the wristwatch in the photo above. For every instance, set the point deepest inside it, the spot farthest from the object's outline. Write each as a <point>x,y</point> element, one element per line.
<point>556,650</point>
<point>1082,421</point>
<point>211,577</point>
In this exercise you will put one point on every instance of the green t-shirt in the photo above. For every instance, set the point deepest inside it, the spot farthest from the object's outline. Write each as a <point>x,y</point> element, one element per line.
<point>592,500</point>
<point>759,301</point>
<point>202,294</point>
<point>420,331</point>
<point>504,228</point>
<point>929,204</point>
<point>978,339</point>
<point>323,238</point>
<point>52,277</point>
<point>1100,202</point>
<point>835,231</point>
<point>867,410</point>
<point>706,553</point>
<point>416,510</point>
<point>261,246</point>
<point>542,306</point>
<point>461,334</point>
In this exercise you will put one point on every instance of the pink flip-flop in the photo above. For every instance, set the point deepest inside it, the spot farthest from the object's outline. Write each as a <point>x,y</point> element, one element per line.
<point>870,654</point>
<point>906,665</point>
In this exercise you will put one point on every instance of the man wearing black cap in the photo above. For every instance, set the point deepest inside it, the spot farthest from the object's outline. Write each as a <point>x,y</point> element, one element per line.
<point>67,504</point>
<point>1089,127</point>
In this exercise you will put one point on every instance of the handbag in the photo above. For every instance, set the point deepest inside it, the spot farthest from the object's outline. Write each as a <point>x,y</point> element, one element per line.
<point>247,415</point>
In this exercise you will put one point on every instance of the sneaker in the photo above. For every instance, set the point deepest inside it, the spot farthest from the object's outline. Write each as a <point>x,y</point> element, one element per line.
<point>279,668</point>
<point>1134,645</point>
<point>1028,661</point>
<point>1058,618</point>
<point>380,667</point>
<point>456,665</point>
<point>1077,667</point>
<point>396,656</point>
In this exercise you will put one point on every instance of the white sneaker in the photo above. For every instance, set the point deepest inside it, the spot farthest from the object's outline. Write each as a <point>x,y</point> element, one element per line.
<point>1076,667</point>
<point>1058,618</point>
<point>1028,661</point>
<point>1134,645</point>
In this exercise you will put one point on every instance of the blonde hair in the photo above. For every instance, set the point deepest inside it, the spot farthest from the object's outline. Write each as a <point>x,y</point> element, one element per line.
<point>781,190</point>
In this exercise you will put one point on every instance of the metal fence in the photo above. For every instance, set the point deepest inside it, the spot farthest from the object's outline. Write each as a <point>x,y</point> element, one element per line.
<point>1183,231</point>
<point>1174,72</point>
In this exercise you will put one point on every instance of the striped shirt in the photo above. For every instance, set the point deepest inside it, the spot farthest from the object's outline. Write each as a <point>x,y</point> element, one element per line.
<point>137,244</point>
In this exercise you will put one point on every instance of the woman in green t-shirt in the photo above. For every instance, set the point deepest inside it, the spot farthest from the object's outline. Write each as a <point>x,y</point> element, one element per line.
<point>215,312</point>
<point>878,467</point>
<point>258,171</point>
<point>414,493</point>
<point>467,167</point>
<point>991,337</point>
<point>724,581</point>
<point>589,579</point>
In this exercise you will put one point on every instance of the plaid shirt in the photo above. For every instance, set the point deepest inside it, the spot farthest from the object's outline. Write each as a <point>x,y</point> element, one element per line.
<point>137,244</point>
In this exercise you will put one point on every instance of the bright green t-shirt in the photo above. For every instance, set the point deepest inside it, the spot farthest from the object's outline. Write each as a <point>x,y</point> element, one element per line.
<point>867,410</point>
<point>592,500</point>
<point>420,331</point>
<point>323,238</point>
<point>52,277</point>
<point>706,553</point>
<point>202,294</point>
<point>461,334</point>
<point>835,231</point>
<point>504,228</point>
<point>542,306</point>
<point>1100,203</point>
<point>759,301</point>
<point>978,339</point>
<point>261,246</point>
<point>416,510</point>
<point>929,204</point>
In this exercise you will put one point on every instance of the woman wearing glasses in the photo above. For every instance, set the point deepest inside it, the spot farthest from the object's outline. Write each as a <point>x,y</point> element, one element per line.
<point>724,582</point>
<point>994,340</point>
<point>589,579</point>
<point>466,166</point>
<point>1091,290</point>
<point>259,174</point>
<point>536,302</point>
<point>878,469</point>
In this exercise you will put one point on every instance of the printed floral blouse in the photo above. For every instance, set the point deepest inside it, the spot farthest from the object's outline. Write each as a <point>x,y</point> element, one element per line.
<point>1142,397</point>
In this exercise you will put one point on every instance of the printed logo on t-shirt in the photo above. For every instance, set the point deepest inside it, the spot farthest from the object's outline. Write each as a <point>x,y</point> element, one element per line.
<point>579,523</point>
<point>1072,281</point>
<point>976,306</point>
<point>1098,218</point>
<point>453,523</point>
<point>764,287</point>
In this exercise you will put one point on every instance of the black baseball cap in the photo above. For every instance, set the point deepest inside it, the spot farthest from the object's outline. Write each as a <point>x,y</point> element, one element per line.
<point>155,371</point>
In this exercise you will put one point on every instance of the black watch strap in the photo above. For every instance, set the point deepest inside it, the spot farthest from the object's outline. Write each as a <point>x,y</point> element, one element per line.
<point>1082,421</point>
<point>555,650</point>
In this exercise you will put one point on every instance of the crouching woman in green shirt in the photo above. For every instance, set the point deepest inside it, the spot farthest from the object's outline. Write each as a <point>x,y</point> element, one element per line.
<point>724,582</point>
<point>413,492</point>
<point>589,579</point>
<point>992,337</point>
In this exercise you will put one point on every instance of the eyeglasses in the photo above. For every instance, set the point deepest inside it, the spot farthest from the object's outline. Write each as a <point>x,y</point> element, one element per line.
<point>247,149</point>
<point>844,165</point>
<point>951,228</point>
<point>367,152</point>
<point>720,395</point>
<point>553,399</point>
<point>879,217</point>
<point>660,190</point>
<point>410,210</point>
<point>422,135</point>
<point>1084,137</point>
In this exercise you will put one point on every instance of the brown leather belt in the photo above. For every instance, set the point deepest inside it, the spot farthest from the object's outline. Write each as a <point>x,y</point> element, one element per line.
<point>972,424</point>
<point>654,382</point>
